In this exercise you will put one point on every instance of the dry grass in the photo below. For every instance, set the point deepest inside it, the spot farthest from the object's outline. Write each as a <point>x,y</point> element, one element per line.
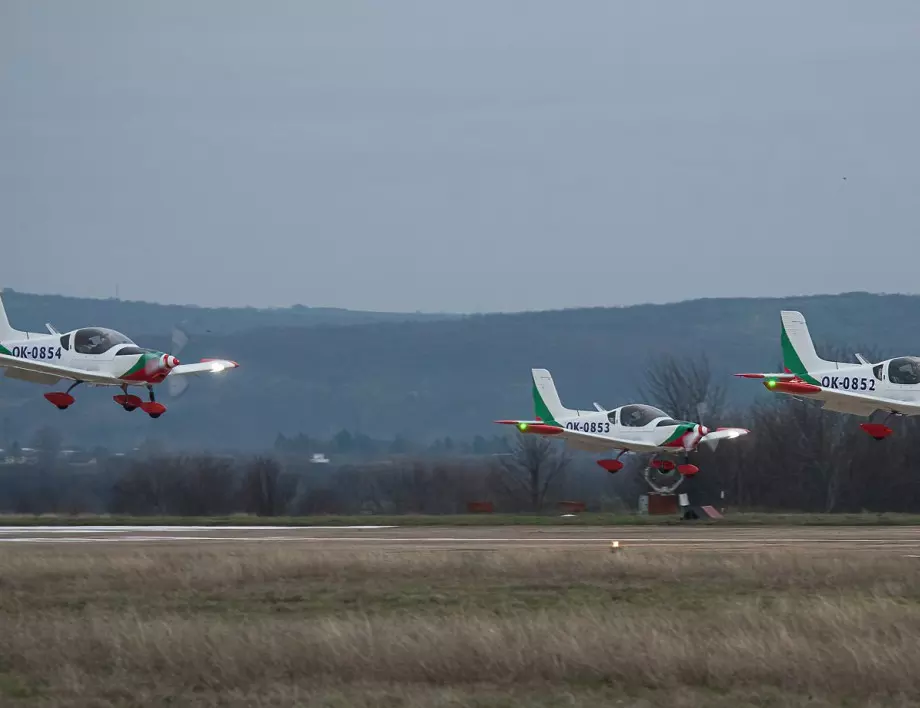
<point>278,626</point>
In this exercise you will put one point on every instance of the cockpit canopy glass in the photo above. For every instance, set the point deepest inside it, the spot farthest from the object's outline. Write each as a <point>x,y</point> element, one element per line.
<point>904,370</point>
<point>638,415</point>
<point>96,340</point>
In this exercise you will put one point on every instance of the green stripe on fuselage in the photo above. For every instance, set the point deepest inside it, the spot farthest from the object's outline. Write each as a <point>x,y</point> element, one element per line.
<point>4,350</point>
<point>138,366</point>
<point>679,432</point>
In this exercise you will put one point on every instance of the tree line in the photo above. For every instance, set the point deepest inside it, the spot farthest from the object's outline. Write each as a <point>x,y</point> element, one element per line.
<point>797,458</point>
<point>533,475</point>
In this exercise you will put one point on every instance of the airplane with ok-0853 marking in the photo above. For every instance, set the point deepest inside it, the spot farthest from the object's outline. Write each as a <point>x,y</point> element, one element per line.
<point>864,389</point>
<point>631,428</point>
<point>93,356</point>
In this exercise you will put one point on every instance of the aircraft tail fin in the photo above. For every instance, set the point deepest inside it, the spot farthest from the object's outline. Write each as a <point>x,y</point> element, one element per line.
<point>6,331</point>
<point>546,399</point>
<point>799,355</point>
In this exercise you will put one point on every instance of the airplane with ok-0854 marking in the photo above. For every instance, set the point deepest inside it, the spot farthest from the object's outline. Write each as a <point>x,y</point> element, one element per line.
<point>864,389</point>
<point>630,428</point>
<point>93,356</point>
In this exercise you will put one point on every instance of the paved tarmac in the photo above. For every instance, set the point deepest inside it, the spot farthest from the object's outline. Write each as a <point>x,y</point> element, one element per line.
<point>905,540</point>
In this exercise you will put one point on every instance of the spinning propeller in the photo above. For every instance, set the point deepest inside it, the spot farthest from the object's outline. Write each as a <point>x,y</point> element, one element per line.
<point>700,432</point>
<point>710,438</point>
<point>176,385</point>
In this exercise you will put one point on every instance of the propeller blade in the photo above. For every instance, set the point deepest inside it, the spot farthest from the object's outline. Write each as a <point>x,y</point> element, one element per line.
<point>176,385</point>
<point>179,340</point>
<point>702,408</point>
<point>711,443</point>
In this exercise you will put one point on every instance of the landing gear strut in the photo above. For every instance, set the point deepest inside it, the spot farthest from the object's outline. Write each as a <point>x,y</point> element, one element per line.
<point>613,466</point>
<point>151,407</point>
<point>63,400</point>
<point>128,401</point>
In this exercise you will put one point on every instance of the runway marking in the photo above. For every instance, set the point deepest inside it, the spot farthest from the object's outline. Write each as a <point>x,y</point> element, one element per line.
<point>140,529</point>
<point>644,542</point>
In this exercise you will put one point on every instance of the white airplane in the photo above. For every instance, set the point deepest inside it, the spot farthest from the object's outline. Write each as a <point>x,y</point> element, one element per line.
<point>891,386</point>
<point>93,356</point>
<point>631,428</point>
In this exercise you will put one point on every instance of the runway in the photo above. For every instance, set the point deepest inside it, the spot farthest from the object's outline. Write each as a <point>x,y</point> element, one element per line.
<point>904,539</point>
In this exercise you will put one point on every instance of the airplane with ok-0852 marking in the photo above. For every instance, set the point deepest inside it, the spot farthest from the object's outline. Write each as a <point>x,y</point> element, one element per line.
<point>93,356</point>
<point>864,389</point>
<point>631,428</point>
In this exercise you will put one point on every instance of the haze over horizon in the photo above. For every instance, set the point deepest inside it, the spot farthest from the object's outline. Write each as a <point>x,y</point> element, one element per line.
<point>420,156</point>
<point>169,303</point>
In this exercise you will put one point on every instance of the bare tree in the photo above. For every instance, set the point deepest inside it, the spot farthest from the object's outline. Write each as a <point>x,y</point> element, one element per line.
<point>681,385</point>
<point>532,467</point>
<point>261,492</point>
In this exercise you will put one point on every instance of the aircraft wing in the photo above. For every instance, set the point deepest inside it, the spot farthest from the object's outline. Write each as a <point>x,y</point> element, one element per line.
<point>46,372</point>
<point>591,442</point>
<point>712,439</point>
<point>860,403</point>
<point>726,433</point>
<point>842,401</point>
<point>205,366</point>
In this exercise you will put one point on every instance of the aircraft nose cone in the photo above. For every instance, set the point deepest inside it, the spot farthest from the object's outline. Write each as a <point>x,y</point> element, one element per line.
<point>169,361</point>
<point>704,430</point>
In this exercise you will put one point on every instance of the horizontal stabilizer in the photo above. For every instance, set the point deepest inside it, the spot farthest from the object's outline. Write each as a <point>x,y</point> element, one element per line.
<point>533,426</point>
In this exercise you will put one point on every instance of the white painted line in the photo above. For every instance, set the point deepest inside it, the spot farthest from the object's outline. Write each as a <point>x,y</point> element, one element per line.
<point>634,543</point>
<point>116,529</point>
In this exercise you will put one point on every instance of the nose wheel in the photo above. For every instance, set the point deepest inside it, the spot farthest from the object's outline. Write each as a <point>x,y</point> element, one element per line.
<point>878,431</point>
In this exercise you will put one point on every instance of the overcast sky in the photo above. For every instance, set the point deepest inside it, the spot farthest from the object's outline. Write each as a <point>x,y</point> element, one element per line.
<point>473,155</point>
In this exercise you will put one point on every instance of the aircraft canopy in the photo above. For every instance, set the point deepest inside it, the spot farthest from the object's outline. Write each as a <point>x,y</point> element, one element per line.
<point>639,415</point>
<point>904,370</point>
<point>97,340</point>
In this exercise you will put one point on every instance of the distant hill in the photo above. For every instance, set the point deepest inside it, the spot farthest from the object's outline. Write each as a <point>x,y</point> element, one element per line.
<point>30,311</point>
<point>432,378</point>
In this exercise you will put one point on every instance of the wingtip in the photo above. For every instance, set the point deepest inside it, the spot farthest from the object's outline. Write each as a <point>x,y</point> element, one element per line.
<point>229,362</point>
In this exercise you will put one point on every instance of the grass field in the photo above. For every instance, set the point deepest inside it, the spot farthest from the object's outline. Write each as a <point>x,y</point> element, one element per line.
<point>282,625</point>
<point>549,519</point>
